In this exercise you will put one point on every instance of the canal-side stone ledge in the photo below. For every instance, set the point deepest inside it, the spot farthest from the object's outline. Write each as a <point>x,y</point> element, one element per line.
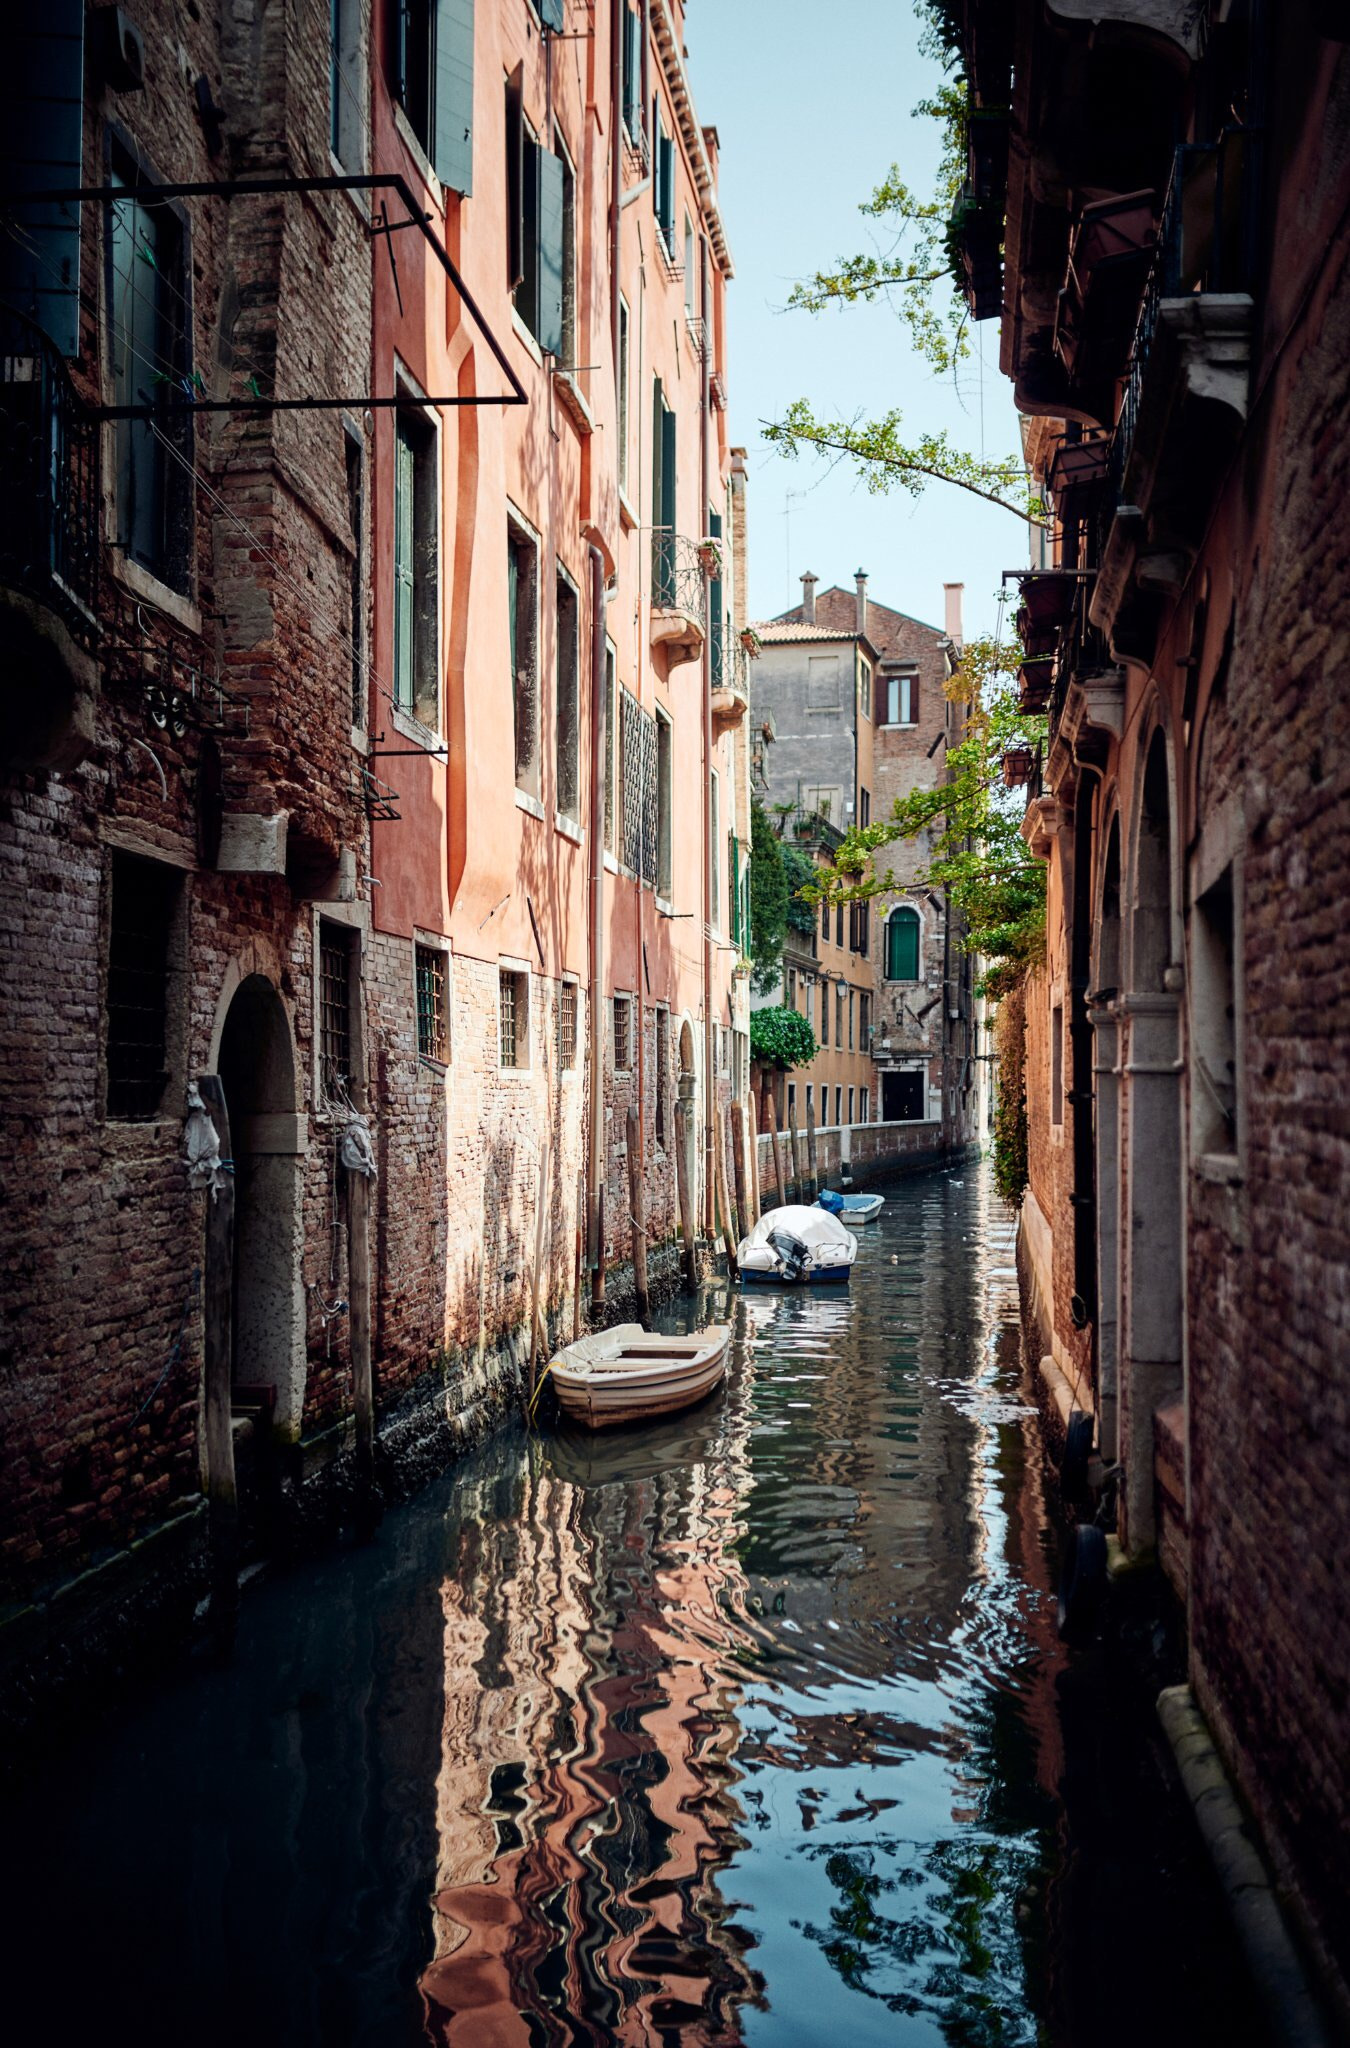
<point>1248,1890</point>
<point>873,1154</point>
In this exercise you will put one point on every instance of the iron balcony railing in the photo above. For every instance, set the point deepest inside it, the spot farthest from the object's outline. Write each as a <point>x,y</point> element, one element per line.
<point>1205,244</point>
<point>677,573</point>
<point>49,477</point>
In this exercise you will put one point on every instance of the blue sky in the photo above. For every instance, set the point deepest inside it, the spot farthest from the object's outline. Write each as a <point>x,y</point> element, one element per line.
<point>812,106</point>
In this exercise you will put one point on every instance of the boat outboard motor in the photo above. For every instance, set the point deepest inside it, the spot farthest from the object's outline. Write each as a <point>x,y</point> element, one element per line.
<point>793,1255</point>
<point>828,1199</point>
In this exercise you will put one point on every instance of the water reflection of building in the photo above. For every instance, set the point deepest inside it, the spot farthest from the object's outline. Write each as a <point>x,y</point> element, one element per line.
<point>584,1805</point>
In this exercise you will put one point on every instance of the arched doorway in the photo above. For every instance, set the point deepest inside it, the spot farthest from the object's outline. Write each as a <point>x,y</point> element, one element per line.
<point>256,1065</point>
<point>1151,1216</point>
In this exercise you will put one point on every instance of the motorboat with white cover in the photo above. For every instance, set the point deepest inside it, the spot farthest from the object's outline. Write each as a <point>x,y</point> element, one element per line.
<point>628,1373</point>
<point>797,1246</point>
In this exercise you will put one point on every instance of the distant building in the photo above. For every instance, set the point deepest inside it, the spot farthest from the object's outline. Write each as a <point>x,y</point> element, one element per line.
<point>855,694</point>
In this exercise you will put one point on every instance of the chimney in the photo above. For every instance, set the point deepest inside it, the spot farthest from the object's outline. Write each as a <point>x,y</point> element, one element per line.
<point>809,582</point>
<point>952,596</point>
<point>860,578</point>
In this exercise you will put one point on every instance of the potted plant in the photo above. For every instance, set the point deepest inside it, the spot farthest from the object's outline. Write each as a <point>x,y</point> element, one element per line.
<point>751,642</point>
<point>709,556</point>
<point>1017,765</point>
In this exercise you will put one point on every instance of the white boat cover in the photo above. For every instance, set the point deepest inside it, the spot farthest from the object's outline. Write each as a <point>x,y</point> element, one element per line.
<point>823,1234</point>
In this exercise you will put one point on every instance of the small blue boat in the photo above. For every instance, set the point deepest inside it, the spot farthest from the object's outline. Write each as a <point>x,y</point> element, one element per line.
<point>851,1209</point>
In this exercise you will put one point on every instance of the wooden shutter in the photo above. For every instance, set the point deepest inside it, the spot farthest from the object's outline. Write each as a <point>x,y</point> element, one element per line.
<point>666,190</point>
<point>405,461</point>
<point>452,94</point>
<point>549,331</point>
<point>632,74</point>
<point>515,179</point>
<point>668,467</point>
<point>716,621</point>
<point>41,116</point>
<point>551,14</point>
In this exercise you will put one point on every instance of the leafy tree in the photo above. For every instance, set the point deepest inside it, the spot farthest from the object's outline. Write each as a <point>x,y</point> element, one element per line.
<point>799,872</point>
<point>768,900</point>
<point>970,825</point>
<point>781,1038</point>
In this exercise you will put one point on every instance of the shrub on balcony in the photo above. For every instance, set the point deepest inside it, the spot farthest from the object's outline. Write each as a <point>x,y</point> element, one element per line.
<point>781,1038</point>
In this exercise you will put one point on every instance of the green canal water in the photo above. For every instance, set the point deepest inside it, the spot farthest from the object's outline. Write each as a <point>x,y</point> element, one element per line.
<point>752,1727</point>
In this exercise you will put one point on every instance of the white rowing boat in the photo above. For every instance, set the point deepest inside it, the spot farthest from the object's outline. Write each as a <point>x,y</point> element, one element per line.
<point>627,1374</point>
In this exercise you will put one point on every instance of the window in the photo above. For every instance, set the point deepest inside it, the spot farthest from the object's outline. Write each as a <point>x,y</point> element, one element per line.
<point>839,1018</point>
<point>513,1017</point>
<point>150,353</point>
<point>864,806</point>
<point>632,75</point>
<point>537,228</point>
<point>433,1015</point>
<point>717,623</point>
<point>663,499</point>
<point>662,1063</point>
<point>356,585</point>
<point>567,1026</point>
<point>523,609</point>
<point>865,696</point>
<point>144,904</point>
<point>623,386</point>
<point>664,757</point>
<point>899,698</point>
<point>431,77</point>
<point>839,1105</point>
<point>568,706</point>
<point>864,1022</point>
<point>865,1106</point>
<point>663,180</point>
<point>690,272</point>
<point>1214,1019</point>
<point>850,1033</point>
<point>637,825</point>
<point>824,1012</point>
<point>810,1102</point>
<point>791,1100</point>
<point>569,353</point>
<point>623,1051</point>
<point>850,1105</point>
<point>335,1010</point>
<point>790,988</point>
<point>902,944</point>
<point>347,77</point>
<point>416,607</point>
<point>838,924</point>
<point>825,921</point>
<point>822,682</point>
<point>1057,1064</point>
<point>611,740</point>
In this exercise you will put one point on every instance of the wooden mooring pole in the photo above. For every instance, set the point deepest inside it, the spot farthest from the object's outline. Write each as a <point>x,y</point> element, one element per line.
<point>812,1165</point>
<point>682,1188</point>
<point>772,1108</point>
<point>222,1497</point>
<point>747,1221</point>
<point>363,1374</point>
<point>637,1204</point>
<point>724,1205</point>
<point>795,1150</point>
<point>540,1224</point>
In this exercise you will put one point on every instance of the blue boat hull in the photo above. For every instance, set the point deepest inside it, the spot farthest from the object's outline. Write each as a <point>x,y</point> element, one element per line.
<point>826,1276</point>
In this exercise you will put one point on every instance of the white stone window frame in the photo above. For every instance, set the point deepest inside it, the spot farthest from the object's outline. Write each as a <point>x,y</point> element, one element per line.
<point>434,942</point>
<point>624,996</point>
<point>527,531</point>
<point>1219,853</point>
<point>577,1068</point>
<point>355,918</point>
<point>521,969</point>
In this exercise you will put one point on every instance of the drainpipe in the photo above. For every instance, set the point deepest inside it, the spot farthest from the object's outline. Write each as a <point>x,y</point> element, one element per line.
<point>709,1061</point>
<point>595,1244</point>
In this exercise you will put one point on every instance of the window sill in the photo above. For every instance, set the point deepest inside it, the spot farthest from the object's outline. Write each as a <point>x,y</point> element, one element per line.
<point>421,161</point>
<point>1222,1168</point>
<point>524,335</point>
<point>531,804</point>
<point>433,1065</point>
<point>627,516</point>
<point>145,584</point>
<point>514,1073</point>
<point>360,740</point>
<point>354,199</point>
<point>611,865</point>
<point>573,404</point>
<point>569,829</point>
<point>410,728</point>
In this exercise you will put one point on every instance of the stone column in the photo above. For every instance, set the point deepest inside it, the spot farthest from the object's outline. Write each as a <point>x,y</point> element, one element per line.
<point>1106,1083</point>
<point>1151,1369</point>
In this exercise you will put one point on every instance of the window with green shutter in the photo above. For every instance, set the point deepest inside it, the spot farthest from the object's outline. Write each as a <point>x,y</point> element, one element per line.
<point>716,621</point>
<point>902,945</point>
<point>41,115</point>
<point>416,612</point>
<point>632,74</point>
<point>431,75</point>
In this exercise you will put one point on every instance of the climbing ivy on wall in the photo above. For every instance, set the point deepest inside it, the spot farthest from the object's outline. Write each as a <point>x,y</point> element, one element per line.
<point>1010,1097</point>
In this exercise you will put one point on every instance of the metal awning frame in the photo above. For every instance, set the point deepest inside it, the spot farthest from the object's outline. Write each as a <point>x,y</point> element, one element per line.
<point>270,188</point>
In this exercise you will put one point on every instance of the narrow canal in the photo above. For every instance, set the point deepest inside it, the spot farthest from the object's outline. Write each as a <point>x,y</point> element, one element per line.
<point>749,1728</point>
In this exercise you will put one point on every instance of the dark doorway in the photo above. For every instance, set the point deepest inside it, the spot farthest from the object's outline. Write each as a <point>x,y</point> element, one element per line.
<point>902,1098</point>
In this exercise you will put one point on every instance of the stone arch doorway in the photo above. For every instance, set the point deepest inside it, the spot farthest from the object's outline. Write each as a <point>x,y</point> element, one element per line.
<point>256,1065</point>
<point>1151,1372</point>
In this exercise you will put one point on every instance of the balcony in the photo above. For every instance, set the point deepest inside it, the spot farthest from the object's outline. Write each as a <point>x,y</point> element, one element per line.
<point>1110,257</point>
<point>1186,395</point>
<point>49,546</point>
<point>679,596</point>
<point>730,682</point>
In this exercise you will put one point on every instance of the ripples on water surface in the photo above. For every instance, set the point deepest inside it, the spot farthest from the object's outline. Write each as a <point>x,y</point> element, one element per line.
<point>737,1729</point>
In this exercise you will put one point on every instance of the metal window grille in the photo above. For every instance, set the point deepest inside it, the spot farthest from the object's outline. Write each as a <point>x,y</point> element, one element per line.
<point>433,1033</point>
<point>513,1018</point>
<point>621,1046</point>
<point>144,894</point>
<point>567,1024</point>
<point>637,735</point>
<point>335,1008</point>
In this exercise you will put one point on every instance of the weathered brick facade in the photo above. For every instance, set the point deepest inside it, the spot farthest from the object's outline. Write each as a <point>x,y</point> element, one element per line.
<point>1184,1233</point>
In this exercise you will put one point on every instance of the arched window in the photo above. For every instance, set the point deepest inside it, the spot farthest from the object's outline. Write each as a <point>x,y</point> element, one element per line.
<point>902,944</point>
